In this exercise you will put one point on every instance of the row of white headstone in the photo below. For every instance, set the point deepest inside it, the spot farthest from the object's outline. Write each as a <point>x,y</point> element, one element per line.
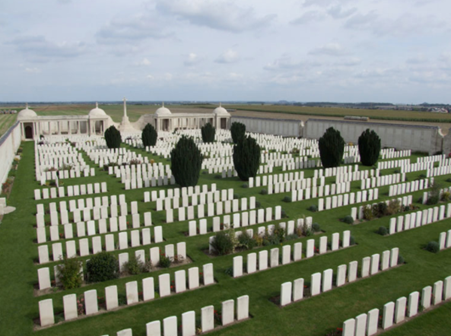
<point>154,195</point>
<point>390,153</point>
<point>419,218</point>
<point>408,187</point>
<point>358,213</point>
<point>287,256</point>
<point>347,199</point>
<point>219,208</point>
<point>294,291</point>
<point>395,313</point>
<point>91,302</point>
<point>83,203</point>
<point>76,190</point>
<point>195,199</point>
<point>90,228</point>
<point>138,238</point>
<point>188,325</point>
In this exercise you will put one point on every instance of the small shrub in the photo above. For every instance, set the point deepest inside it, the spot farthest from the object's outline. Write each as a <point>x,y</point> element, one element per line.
<point>448,179</point>
<point>258,204</point>
<point>313,208</point>
<point>368,212</point>
<point>204,172</point>
<point>165,262</point>
<point>264,192</point>
<point>308,232</point>
<point>246,241</point>
<point>218,177</point>
<point>316,227</point>
<point>279,232</point>
<point>292,236</point>
<point>236,196</point>
<point>69,273</point>
<point>245,185</point>
<point>397,171</point>
<point>445,196</point>
<point>382,231</point>
<point>348,219</point>
<point>222,243</point>
<point>394,207</point>
<point>401,260</point>
<point>283,214</point>
<point>351,240</point>
<point>432,200</point>
<point>134,266</point>
<point>102,266</point>
<point>287,199</point>
<point>433,247</point>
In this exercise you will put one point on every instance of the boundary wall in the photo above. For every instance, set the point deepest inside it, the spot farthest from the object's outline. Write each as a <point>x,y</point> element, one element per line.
<point>9,144</point>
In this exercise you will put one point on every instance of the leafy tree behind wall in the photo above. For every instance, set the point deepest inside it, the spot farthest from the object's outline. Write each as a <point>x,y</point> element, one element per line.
<point>246,158</point>
<point>113,137</point>
<point>369,147</point>
<point>208,133</point>
<point>186,162</point>
<point>149,136</point>
<point>237,131</point>
<point>331,148</point>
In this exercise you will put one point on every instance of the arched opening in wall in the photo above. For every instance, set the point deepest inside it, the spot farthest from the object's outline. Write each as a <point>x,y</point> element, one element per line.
<point>28,131</point>
<point>99,127</point>
<point>165,124</point>
<point>223,123</point>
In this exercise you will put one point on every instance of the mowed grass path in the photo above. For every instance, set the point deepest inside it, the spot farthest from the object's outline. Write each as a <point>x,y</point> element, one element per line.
<point>6,121</point>
<point>312,317</point>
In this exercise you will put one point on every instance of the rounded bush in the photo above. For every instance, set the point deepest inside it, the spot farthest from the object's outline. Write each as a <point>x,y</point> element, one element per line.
<point>287,199</point>
<point>283,213</point>
<point>236,196</point>
<point>313,208</point>
<point>222,243</point>
<point>433,247</point>
<point>245,185</point>
<point>316,227</point>
<point>400,260</point>
<point>382,231</point>
<point>348,219</point>
<point>351,240</point>
<point>264,192</point>
<point>102,266</point>
<point>258,204</point>
<point>331,148</point>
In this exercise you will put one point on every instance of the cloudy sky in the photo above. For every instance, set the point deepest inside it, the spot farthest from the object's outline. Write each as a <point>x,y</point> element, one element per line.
<point>219,50</point>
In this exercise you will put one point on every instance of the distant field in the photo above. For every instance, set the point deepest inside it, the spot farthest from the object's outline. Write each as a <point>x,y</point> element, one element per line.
<point>341,112</point>
<point>135,111</point>
<point>6,121</point>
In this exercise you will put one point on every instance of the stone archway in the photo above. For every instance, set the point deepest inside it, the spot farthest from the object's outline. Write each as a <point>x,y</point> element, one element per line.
<point>28,132</point>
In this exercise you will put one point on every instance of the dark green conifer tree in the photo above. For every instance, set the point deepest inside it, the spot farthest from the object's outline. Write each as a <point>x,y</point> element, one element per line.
<point>149,136</point>
<point>237,131</point>
<point>246,158</point>
<point>113,137</point>
<point>208,133</point>
<point>331,148</point>
<point>186,162</point>
<point>369,147</point>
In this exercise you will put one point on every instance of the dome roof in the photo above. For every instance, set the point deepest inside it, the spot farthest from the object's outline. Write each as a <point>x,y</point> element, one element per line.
<point>163,111</point>
<point>97,112</point>
<point>220,110</point>
<point>26,113</point>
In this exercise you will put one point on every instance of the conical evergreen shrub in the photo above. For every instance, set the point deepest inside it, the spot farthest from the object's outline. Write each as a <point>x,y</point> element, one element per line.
<point>208,133</point>
<point>331,148</point>
<point>237,130</point>
<point>246,158</point>
<point>369,147</point>
<point>186,162</point>
<point>149,136</point>
<point>113,137</point>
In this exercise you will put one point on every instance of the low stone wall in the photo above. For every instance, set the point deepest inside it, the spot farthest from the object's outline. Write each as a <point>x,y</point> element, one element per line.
<point>284,127</point>
<point>415,137</point>
<point>9,144</point>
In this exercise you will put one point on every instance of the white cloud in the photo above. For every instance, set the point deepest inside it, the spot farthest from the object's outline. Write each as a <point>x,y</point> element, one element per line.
<point>229,56</point>
<point>192,59</point>
<point>309,16</point>
<point>32,70</point>
<point>218,14</point>
<point>337,12</point>
<point>39,49</point>
<point>129,30</point>
<point>143,62</point>
<point>331,49</point>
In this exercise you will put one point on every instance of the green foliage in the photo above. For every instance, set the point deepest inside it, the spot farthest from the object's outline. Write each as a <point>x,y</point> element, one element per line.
<point>331,148</point>
<point>223,243</point>
<point>134,265</point>
<point>369,147</point>
<point>69,273</point>
<point>237,131</point>
<point>313,208</point>
<point>382,231</point>
<point>394,207</point>
<point>287,199</point>
<point>208,133</point>
<point>186,162</point>
<point>434,194</point>
<point>316,227</point>
<point>348,219</point>
<point>264,192</point>
<point>149,136</point>
<point>102,266</point>
<point>246,158</point>
<point>245,185</point>
<point>445,196</point>
<point>246,241</point>
<point>165,262</point>
<point>351,240</point>
<point>368,212</point>
<point>433,247</point>
<point>113,137</point>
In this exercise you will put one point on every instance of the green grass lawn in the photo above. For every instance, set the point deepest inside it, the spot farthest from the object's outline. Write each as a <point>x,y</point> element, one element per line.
<point>312,317</point>
<point>6,121</point>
